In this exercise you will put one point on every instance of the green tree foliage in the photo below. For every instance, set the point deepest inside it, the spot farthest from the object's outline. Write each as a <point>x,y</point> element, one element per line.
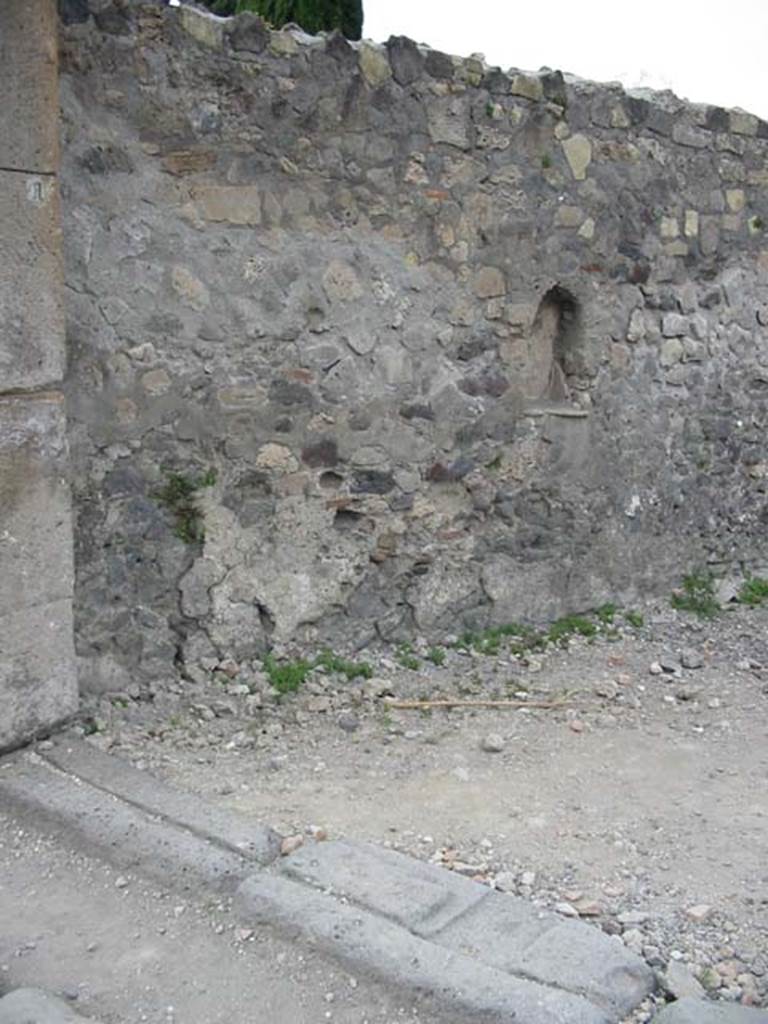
<point>313,15</point>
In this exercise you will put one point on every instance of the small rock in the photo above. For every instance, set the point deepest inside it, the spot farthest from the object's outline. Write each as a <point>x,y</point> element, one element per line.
<point>576,725</point>
<point>244,934</point>
<point>493,743</point>
<point>505,881</point>
<point>290,844</point>
<point>678,981</point>
<point>632,917</point>
<point>699,914</point>
<point>348,722</point>
<point>710,979</point>
<point>607,689</point>
<point>588,908</point>
<point>669,664</point>
<point>691,658</point>
<point>633,939</point>
<point>121,882</point>
<point>528,879</point>
<point>566,909</point>
<point>655,668</point>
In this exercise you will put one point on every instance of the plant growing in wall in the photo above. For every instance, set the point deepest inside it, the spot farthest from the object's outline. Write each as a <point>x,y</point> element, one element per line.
<point>312,15</point>
<point>178,496</point>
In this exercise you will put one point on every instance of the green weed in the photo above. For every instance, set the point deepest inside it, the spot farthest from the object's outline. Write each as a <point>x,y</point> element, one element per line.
<point>287,676</point>
<point>351,669</point>
<point>634,619</point>
<point>436,655</point>
<point>178,495</point>
<point>697,595</point>
<point>754,591</point>
<point>407,658</point>
<point>606,613</point>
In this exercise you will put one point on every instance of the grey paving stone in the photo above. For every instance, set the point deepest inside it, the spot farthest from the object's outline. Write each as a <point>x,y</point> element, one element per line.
<point>127,837</point>
<point>503,932</point>
<point>230,831</point>
<point>699,1011</point>
<point>383,949</point>
<point>33,1006</point>
<point>406,891</point>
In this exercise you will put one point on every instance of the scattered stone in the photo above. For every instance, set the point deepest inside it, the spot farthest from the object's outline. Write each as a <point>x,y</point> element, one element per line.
<point>588,908</point>
<point>576,725</point>
<point>678,981</point>
<point>566,909</point>
<point>655,668</point>
<point>691,658</point>
<point>291,844</point>
<point>607,689</point>
<point>493,743</point>
<point>348,722</point>
<point>699,913</point>
<point>121,882</point>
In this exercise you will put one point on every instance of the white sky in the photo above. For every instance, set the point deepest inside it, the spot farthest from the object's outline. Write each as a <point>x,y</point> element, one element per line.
<point>710,51</point>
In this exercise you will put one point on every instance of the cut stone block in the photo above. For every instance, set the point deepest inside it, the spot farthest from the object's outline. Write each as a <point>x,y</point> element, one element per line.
<point>31,308</point>
<point>29,117</point>
<point>232,831</point>
<point>94,821</point>
<point>375,946</point>
<point>500,931</point>
<point>699,1011</point>
<point>38,684</point>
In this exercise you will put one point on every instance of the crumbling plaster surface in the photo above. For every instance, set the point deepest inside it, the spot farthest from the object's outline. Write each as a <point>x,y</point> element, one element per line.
<point>315,268</point>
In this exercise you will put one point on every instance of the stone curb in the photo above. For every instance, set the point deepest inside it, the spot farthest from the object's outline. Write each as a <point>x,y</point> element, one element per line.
<point>384,950</point>
<point>493,957</point>
<point>697,1011</point>
<point>501,931</point>
<point>33,1006</point>
<point>143,791</point>
<point>130,838</point>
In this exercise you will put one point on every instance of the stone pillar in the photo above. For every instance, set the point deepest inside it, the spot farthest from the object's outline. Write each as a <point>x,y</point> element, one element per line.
<point>38,683</point>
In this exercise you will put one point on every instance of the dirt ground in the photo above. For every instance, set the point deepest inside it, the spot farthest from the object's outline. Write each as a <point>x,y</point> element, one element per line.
<point>640,802</point>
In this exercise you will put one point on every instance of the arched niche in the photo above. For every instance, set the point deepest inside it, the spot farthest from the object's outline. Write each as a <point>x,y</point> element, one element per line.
<point>554,344</point>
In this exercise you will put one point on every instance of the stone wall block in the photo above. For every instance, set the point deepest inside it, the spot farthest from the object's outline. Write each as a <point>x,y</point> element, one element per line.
<point>31,309</point>
<point>29,137</point>
<point>37,676</point>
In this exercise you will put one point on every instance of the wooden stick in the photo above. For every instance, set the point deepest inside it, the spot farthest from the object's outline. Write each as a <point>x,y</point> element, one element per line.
<point>420,705</point>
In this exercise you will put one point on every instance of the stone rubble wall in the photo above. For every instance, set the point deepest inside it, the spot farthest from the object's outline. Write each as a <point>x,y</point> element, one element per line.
<point>38,685</point>
<point>416,343</point>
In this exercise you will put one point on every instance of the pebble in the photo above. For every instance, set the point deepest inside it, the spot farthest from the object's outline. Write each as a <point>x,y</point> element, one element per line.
<point>699,914</point>
<point>691,658</point>
<point>655,668</point>
<point>121,882</point>
<point>576,725</point>
<point>348,722</point>
<point>588,908</point>
<point>493,743</point>
<point>607,689</point>
<point>290,844</point>
<point>633,939</point>
<point>566,909</point>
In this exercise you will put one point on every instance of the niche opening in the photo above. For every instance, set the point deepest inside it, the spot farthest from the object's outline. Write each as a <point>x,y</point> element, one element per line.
<point>556,345</point>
